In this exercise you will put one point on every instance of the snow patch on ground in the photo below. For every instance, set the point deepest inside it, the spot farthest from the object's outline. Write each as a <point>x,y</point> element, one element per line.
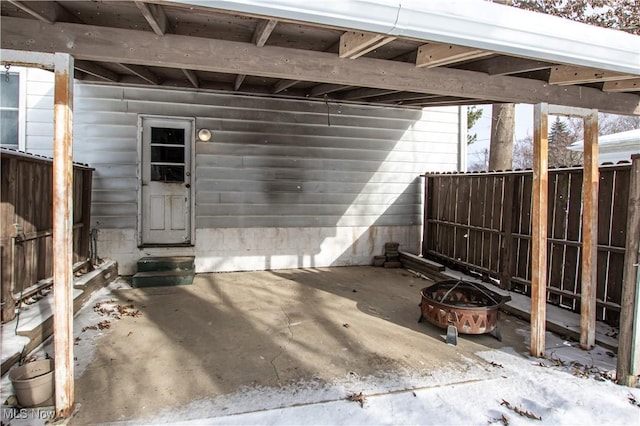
<point>565,388</point>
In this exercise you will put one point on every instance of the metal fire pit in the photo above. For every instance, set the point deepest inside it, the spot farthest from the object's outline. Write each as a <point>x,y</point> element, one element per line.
<point>469,307</point>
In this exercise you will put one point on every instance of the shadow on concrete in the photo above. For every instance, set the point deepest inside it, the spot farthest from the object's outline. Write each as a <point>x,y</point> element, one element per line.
<point>270,329</point>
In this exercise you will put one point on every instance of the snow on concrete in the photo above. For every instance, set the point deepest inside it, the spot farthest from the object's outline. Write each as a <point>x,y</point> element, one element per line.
<point>83,350</point>
<point>568,387</point>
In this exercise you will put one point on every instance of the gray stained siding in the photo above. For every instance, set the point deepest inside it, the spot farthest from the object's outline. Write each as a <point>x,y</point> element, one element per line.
<point>272,162</point>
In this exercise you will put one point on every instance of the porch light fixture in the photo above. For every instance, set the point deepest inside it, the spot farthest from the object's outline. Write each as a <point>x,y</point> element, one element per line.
<point>204,135</point>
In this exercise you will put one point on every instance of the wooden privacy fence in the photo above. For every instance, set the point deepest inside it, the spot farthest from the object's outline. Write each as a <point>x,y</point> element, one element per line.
<point>482,222</point>
<point>27,224</point>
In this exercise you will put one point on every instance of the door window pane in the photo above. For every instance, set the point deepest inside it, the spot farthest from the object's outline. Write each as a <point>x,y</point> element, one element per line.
<point>167,154</point>
<point>166,173</point>
<point>165,135</point>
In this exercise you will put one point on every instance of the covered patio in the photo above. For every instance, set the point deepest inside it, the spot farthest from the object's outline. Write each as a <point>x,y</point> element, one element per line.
<point>328,54</point>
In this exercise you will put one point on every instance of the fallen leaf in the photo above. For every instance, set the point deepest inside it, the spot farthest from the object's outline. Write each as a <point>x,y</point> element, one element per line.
<point>520,411</point>
<point>346,325</point>
<point>358,397</point>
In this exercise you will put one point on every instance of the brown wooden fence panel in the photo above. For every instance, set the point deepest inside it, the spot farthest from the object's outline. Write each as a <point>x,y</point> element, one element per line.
<point>481,222</point>
<point>27,222</point>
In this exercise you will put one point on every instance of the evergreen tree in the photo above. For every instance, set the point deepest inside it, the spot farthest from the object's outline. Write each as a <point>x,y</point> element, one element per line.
<point>560,137</point>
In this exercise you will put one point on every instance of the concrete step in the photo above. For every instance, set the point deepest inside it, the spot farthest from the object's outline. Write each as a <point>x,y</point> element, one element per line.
<point>166,263</point>
<point>163,278</point>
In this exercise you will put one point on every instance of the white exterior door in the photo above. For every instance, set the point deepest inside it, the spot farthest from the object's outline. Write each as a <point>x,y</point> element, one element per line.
<point>166,181</point>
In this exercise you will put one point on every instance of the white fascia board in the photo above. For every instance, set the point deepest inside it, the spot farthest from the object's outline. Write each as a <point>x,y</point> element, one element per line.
<point>474,23</point>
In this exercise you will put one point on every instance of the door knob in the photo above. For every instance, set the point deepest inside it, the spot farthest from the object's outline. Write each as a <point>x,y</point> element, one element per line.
<point>188,185</point>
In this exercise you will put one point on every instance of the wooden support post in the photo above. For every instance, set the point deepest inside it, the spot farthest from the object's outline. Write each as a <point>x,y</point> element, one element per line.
<point>63,234</point>
<point>539,229</point>
<point>589,233</point>
<point>628,368</point>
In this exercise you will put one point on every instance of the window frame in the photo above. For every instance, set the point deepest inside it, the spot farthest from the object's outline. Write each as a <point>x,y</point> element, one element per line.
<point>22,103</point>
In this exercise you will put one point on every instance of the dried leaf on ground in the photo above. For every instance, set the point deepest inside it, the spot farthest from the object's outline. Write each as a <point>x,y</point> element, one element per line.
<point>358,397</point>
<point>116,310</point>
<point>495,364</point>
<point>100,326</point>
<point>503,419</point>
<point>520,411</point>
<point>633,400</point>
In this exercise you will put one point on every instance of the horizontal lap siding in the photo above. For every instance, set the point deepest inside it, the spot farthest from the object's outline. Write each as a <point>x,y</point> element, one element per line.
<point>272,162</point>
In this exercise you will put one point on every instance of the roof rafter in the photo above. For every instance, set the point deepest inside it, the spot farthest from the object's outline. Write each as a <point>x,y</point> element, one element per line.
<point>142,48</point>
<point>284,85</point>
<point>325,89</point>
<point>154,15</point>
<point>565,74</point>
<point>263,31</point>
<point>45,11</point>
<point>504,65</point>
<point>631,85</point>
<point>354,44</point>
<point>96,70</point>
<point>192,77</point>
<point>260,36</point>
<point>142,72</point>
<point>434,55</point>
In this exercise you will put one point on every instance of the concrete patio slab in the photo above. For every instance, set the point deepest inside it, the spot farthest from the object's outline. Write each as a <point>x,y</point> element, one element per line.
<point>234,331</point>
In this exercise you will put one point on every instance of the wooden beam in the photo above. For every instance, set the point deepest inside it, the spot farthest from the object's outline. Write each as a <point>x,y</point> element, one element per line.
<point>631,85</point>
<point>504,65</point>
<point>284,85</point>
<point>402,96</point>
<point>175,51</point>
<point>263,31</point>
<point>435,55</point>
<point>142,72</point>
<point>154,15</point>
<point>437,100</point>
<point>45,11</point>
<point>589,233</point>
<point>354,44</point>
<point>21,58</point>
<point>569,111</point>
<point>63,234</point>
<point>364,93</point>
<point>325,89</point>
<point>192,77</point>
<point>565,74</point>
<point>628,367</point>
<point>96,70</point>
<point>539,198</point>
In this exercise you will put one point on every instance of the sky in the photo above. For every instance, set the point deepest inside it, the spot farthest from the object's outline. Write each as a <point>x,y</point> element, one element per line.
<point>524,127</point>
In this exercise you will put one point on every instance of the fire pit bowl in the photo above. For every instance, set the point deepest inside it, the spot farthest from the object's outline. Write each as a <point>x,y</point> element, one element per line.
<point>471,308</point>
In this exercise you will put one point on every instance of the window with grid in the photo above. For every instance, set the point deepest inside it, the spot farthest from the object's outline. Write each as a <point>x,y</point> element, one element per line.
<point>9,109</point>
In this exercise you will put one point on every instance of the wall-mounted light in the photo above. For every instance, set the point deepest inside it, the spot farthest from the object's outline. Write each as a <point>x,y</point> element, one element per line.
<point>204,135</point>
